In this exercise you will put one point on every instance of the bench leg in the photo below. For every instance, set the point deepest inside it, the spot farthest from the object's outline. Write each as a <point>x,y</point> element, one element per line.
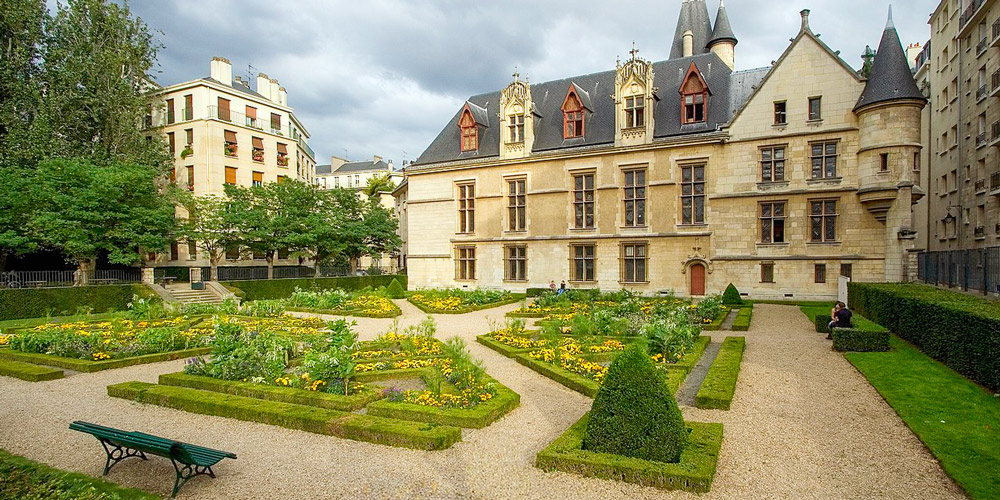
<point>118,453</point>
<point>185,472</point>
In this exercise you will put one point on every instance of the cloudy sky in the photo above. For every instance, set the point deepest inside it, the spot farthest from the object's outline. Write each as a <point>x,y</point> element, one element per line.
<point>384,76</point>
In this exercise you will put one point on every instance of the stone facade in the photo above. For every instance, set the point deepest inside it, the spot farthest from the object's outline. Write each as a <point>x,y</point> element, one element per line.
<point>685,254</point>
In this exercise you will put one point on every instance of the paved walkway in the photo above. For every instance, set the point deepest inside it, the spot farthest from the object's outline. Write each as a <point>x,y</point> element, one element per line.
<point>804,424</point>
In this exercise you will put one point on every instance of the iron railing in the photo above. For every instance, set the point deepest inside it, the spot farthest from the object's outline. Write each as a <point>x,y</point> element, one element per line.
<point>244,120</point>
<point>975,269</point>
<point>244,273</point>
<point>47,279</point>
<point>981,139</point>
<point>981,46</point>
<point>969,13</point>
<point>995,181</point>
<point>980,185</point>
<point>982,92</point>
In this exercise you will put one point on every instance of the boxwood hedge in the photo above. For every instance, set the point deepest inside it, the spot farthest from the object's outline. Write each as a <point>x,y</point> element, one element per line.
<point>20,303</point>
<point>87,366</point>
<point>961,331</point>
<point>23,478</point>
<point>271,393</point>
<point>853,339</point>
<point>281,288</point>
<point>476,417</point>
<point>741,322</point>
<point>720,383</point>
<point>29,372</point>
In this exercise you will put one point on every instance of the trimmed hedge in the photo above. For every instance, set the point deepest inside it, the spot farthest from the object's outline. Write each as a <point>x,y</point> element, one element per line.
<point>345,425</point>
<point>83,365</point>
<point>20,303</point>
<point>502,348</point>
<point>28,371</point>
<point>269,393</point>
<point>694,472</point>
<point>23,478</point>
<point>853,339</point>
<point>468,307</point>
<point>959,330</point>
<point>395,290</point>
<point>731,297</point>
<point>720,383</point>
<point>822,323</point>
<point>741,322</point>
<point>282,288</point>
<point>716,323</point>
<point>476,417</point>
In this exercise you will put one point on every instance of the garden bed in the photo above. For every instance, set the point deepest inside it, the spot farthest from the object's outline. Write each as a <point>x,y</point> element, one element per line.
<point>83,365</point>
<point>717,389</point>
<point>28,372</point>
<point>280,394</point>
<point>694,472</point>
<point>477,417</point>
<point>455,301</point>
<point>373,429</point>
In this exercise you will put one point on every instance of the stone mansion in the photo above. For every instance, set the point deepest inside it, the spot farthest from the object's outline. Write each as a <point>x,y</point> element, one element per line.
<point>680,175</point>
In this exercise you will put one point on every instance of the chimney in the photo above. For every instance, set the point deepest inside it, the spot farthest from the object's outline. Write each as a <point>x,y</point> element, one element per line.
<point>264,85</point>
<point>336,162</point>
<point>805,20</point>
<point>221,70</point>
<point>274,90</point>
<point>390,165</point>
<point>688,43</point>
<point>282,96</point>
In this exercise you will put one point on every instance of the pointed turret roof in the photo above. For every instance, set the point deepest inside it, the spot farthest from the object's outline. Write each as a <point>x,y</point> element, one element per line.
<point>694,16</point>
<point>723,32</point>
<point>890,78</point>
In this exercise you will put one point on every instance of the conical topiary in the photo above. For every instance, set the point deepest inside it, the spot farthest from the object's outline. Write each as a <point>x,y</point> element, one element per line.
<point>395,290</point>
<point>731,297</point>
<point>634,413</point>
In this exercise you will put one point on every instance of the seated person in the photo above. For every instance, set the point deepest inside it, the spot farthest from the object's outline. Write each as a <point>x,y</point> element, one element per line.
<point>841,318</point>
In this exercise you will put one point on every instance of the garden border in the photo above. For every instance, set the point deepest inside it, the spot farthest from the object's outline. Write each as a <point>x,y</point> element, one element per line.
<point>741,322</point>
<point>337,312</point>
<point>465,309</point>
<point>85,366</point>
<point>694,472</point>
<point>50,480</point>
<point>477,417</point>
<point>270,393</point>
<point>717,389</point>
<point>29,372</point>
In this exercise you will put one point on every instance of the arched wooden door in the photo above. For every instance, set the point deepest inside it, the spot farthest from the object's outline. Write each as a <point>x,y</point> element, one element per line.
<point>697,274</point>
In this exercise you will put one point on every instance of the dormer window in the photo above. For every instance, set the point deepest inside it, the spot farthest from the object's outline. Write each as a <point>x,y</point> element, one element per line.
<point>470,133</point>
<point>635,111</point>
<point>694,97</point>
<point>516,127</point>
<point>572,115</point>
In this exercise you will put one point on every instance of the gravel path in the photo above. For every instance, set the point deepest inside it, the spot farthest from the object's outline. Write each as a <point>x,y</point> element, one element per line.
<point>804,424</point>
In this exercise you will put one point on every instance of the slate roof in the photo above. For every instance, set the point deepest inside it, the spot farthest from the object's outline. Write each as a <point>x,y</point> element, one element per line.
<point>323,169</point>
<point>722,31</point>
<point>361,166</point>
<point>694,17</point>
<point>890,78</point>
<point>728,91</point>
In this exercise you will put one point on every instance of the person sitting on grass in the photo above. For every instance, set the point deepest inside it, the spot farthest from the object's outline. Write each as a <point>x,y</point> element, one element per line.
<point>841,317</point>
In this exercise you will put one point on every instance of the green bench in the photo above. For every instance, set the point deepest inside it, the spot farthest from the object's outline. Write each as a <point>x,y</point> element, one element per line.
<point>189,460</point>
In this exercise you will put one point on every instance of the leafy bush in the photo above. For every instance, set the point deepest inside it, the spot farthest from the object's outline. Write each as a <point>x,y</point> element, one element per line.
<point>634,413</point>
<point>106,340</point>
<point>282,288</point>
<point>670,335</point>
<point>731,297</point>
<point>709,308</point>
<point>395,290</point>
<point>957,329</point>
<point>581,324</point>
<point>20,303</point>
<point>851,339</point>
<point>239,354</point>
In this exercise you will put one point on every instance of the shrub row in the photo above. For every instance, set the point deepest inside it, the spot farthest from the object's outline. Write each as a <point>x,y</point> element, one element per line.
<point>282,288</point>
<point>742,321</point>
<point>20,303</point>
<point>720,383</point>
<point>272,393</point>
<point>28,371</point>
<point>476,417</point>
<point>345,425</point>
<point>536,292</point>
<point>468,307</point>
<point>23,478</point>
<point>83,365</point>
<point>694,472</point>
<point>959,330</point>
<point>854,339</point>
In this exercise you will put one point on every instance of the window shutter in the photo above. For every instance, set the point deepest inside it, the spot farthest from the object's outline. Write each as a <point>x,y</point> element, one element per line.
<point>282,149</point>
<point>224,109</point>
<point>258,176</point>
<point>231,175</point>
<point>258,143</point>
<point>276,121</point>
<point>251,113</point>
<point>230,136</point>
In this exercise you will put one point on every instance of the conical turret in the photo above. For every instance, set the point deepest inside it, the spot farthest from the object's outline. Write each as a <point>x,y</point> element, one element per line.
<point>694,17</point>
<point>723,41</point>
<point>890,77</point>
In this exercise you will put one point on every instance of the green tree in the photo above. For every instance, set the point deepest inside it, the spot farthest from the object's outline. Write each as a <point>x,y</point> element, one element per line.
<point>83,209</point>
<point>14,210</point>
<point>364,226</point>
<point>379,183</point>
<point>206,224</point>
<point>22,35</point>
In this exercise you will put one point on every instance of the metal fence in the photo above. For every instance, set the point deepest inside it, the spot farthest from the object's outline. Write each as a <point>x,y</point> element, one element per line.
<point>47,279</point>
<point>975,269</point>
<point>244,273</point>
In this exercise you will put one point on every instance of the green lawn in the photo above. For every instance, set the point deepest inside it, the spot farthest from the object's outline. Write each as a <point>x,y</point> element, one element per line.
<point>958,420</point>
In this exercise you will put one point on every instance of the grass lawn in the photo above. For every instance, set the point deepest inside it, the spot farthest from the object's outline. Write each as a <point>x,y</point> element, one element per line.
<point>956,419</point>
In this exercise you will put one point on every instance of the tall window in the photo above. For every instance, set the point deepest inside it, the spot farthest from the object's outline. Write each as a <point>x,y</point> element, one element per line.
<point>583,201</point>
<point>780,113</point>
<point>190,177</point>
<point>230,148</point>
<point>824,160</point>
<point>189,137</point>
<point>772,164</point>
<point>772,222</point>
<point>174,251</point>
<point>517,263</point>
<point>767,272</point>
<point>192,250</point>
<point>815,108</point>
<point>823,220</point>
<point>635,112</point>
<point>281,156</point>
<point>819,273</point>
<point>693,194</point>
<point>171,143</point>
<point>231,176</point>
<point>635,197</point>
<point>583,262</point>
<point>258,179</point>
<point>188,107</point>
<point>515,126</point>
<point>170,116</point>
<point>572,116</point>
<point>252,117</point>
<point>634,263</point>
<point>884,162</point>
<point>466,208</point>
<point>694,97</point>
<point>258,149</point>
<point>846,270</point>
<point>223,111</point>
<point>466,263</point>
<point>276,123</point>
<point>516,204</point>
<point>470,133</point>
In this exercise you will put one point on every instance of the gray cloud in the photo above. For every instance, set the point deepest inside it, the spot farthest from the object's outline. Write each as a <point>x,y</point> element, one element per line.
<point>383,76</point>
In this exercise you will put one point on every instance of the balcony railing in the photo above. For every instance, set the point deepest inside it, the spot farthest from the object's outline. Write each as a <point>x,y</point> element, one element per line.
<point>981,140</point>
<point>982,45</point>
<point>995,183</point>
<point>996,33</point>
<point>980,186</point>
<point>969,13</point>
<point>244,120</point>
<point>982,91</point>
<point>979,232</point>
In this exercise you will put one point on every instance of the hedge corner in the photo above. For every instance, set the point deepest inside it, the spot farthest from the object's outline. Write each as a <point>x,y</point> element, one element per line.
<point>853,339</point>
